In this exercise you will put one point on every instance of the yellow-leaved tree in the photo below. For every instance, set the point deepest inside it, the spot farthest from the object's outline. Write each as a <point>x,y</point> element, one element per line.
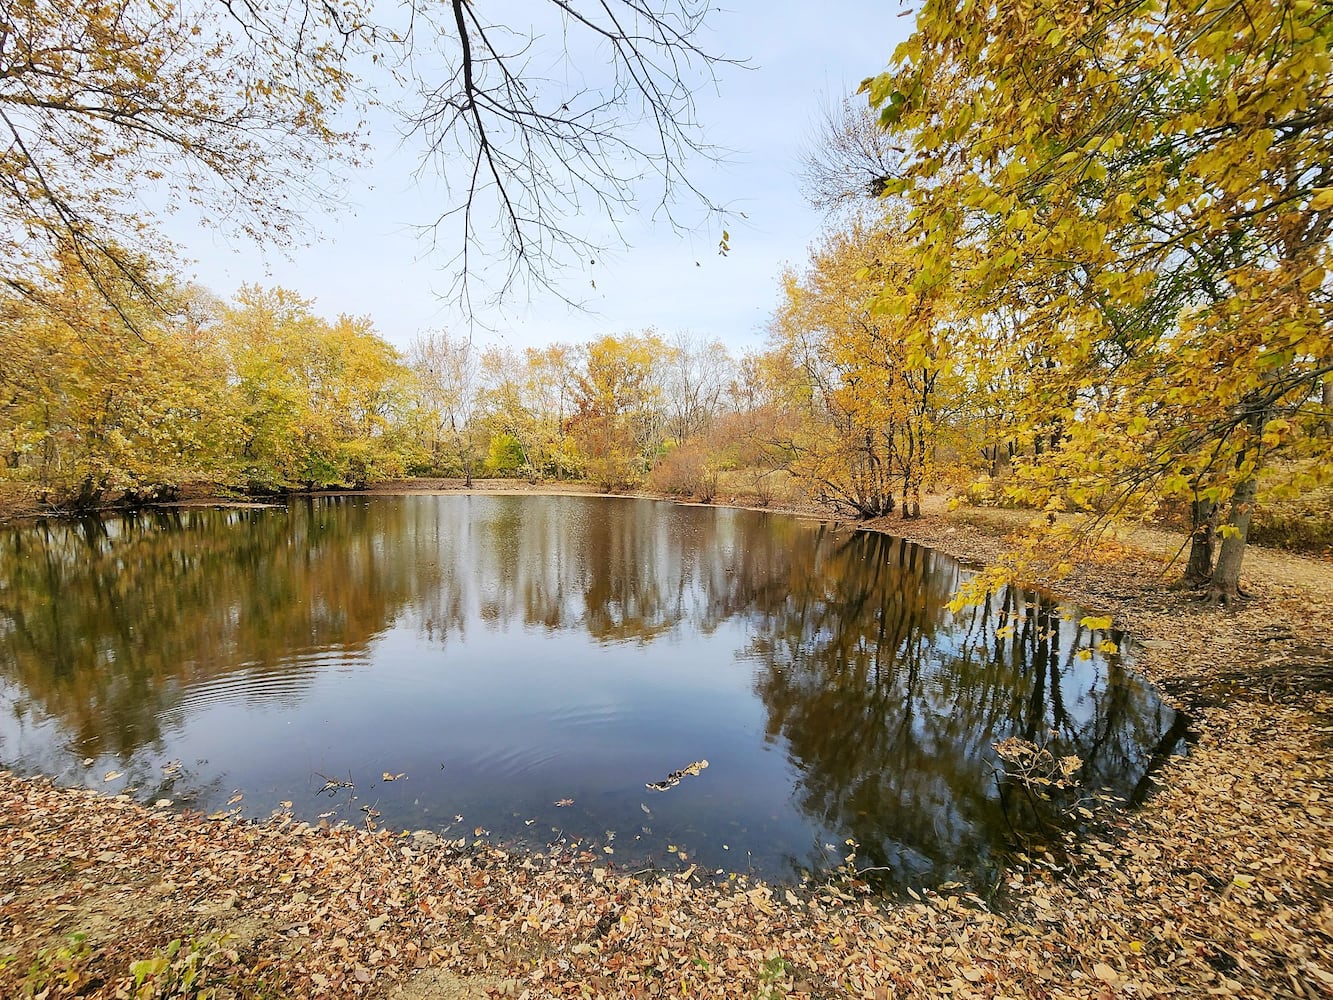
<point>90,412</point>
<point>317,401</point>
<point>866,352</point>
<point>619,417</point>
<point>102,103</point>
<point>1135,201</point>
<point>527,399</point>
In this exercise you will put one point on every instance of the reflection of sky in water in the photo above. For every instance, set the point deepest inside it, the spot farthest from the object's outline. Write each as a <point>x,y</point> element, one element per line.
<point>507,653</point>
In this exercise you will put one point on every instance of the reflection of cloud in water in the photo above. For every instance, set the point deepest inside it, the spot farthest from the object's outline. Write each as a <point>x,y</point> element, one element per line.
<point>589,644</point>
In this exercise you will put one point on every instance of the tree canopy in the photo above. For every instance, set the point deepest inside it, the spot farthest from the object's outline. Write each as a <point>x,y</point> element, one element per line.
<point>250,111</point>
<point>103,105</point>
<point>1140,198</point>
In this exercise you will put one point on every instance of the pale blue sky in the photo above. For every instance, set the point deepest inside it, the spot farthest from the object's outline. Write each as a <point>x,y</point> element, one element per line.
<point>367,259</point>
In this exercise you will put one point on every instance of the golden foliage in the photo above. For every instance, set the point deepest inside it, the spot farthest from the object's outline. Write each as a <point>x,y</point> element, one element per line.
<point>1134,203</point>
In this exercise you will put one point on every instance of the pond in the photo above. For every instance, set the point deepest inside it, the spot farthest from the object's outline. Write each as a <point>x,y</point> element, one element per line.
<point>525,668</point>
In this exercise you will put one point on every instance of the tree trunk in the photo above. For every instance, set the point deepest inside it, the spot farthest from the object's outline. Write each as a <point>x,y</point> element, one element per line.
<point>1327,400</point>
<point>1224,587</point>
<point>1203,543</point>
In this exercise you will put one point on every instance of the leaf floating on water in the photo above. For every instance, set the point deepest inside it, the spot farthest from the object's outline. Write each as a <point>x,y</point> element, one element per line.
<point>386,776</point>
<point>331,786</point>
<point>113,775</point>
<point>564,802</point>
<point>645,809</point>
<point>236,797</point>
<point>673,779</point>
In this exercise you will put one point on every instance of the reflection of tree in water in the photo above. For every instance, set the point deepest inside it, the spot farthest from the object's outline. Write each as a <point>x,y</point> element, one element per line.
<point>620,570</point>
<point>890,705</point>
<point>107,623</point>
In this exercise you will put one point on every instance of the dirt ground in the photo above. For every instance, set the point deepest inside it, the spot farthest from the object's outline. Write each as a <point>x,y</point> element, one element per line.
<point>1221,885</point>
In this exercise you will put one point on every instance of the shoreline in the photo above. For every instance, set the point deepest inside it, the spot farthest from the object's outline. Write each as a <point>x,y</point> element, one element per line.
<point>1218,885</point>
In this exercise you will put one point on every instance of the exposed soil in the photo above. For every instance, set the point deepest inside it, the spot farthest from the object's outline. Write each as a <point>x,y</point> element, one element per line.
<point>1222,884</point>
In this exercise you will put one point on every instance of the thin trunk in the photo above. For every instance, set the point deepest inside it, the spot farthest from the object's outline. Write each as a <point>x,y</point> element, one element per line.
<point>1327,399</point>
<point>1224,587</point>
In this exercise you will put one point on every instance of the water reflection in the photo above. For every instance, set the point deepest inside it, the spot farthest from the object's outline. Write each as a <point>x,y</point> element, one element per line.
<point>557,647</point>
<point>108,623</point>
<point>889,704</point>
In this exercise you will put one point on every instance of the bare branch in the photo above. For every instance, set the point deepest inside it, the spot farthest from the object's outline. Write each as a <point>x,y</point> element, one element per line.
<point>548,147</point>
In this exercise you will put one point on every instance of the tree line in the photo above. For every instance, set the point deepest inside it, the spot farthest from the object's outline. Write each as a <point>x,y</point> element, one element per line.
<point>1080,255</point>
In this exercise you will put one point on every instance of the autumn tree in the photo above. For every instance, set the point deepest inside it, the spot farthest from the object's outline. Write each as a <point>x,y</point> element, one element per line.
<point>1140,198</point>
<point>528,398</point>
<point>90,412</point>
<point>619,419</point>
<point>320,403</point>
<point>447,373</point>
<point>100,103</point>
<point>868,368</point>
<point>232,108</point>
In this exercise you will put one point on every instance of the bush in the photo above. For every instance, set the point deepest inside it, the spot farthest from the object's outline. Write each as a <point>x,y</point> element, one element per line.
<point>686,471</point>
<point>505,456</point>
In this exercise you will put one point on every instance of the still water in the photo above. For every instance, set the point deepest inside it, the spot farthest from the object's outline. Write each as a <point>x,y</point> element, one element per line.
<point>527,666</point>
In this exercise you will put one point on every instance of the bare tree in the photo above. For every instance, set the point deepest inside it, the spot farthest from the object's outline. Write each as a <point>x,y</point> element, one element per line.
<point>849,159</point>
<point>590,110</point>
<point>698,373</point>
<point>447,371</point>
